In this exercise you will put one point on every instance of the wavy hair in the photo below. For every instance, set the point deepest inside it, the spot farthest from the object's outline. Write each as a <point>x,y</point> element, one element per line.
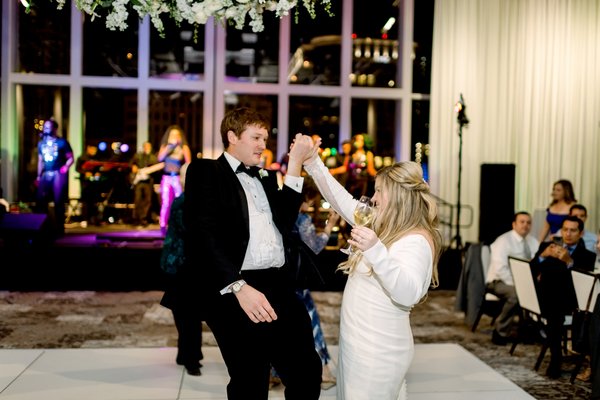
<point>569,193</point>
<point>410,208</point>
<point>165,138</point>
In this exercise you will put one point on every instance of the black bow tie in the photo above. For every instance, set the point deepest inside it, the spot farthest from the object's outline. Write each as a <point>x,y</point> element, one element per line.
<point>252,171</point>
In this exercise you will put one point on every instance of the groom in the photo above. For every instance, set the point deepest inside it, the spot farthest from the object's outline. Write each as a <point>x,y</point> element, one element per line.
<point>238,222</point>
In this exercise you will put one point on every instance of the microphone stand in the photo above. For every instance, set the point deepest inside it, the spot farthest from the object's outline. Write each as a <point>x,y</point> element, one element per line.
<point>462,121</point>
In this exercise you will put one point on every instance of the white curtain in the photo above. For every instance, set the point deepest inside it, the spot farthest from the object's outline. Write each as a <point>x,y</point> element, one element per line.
<point>529,71</point>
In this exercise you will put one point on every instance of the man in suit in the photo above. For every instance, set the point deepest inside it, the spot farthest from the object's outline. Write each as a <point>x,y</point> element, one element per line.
<point>590,239</point>
<point>551,268</point>
<point>238,223</point>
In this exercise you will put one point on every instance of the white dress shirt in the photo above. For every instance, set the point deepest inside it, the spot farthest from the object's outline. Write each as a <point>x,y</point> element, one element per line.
<point>265,246</point>
<point>590,240</point>
<point>508,244</point>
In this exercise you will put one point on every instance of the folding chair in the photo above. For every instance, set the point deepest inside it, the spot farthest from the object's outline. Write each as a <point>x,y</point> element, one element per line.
<point>490,304</point>
<point>528,300</point>
<point>587,287</point>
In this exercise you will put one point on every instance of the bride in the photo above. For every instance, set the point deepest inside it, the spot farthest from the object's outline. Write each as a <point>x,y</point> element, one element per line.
<point>392,270</point>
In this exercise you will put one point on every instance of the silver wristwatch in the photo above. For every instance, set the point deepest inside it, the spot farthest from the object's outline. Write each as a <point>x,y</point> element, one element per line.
<point>237,286</point>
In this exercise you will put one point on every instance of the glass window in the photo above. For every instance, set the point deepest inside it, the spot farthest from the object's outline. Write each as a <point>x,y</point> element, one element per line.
<point>110,53</point>
<point>118,131</point>
<point>423,38</point>
<point>376,121</point>
<point>420,134</point>
<point>38,103</point>
<point>316,116</point>
<point>44,38</point>
<point>265,105</point>
<point>253,56</point>
<point>375,45</point>
<point>168,108</point>
<point>180,53</point>
<point>110,122</point>
<point>315,48</point>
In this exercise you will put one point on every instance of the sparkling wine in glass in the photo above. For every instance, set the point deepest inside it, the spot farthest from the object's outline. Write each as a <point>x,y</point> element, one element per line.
<point>363,215</point>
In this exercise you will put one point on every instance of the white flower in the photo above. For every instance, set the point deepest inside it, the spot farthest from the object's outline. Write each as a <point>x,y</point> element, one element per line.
<point>262,173</point>
<point>194,11</point>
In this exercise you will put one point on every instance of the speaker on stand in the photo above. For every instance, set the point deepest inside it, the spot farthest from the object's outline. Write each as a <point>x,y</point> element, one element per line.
<point>496,201</point>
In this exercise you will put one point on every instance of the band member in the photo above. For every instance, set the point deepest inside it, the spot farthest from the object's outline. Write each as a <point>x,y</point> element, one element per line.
<point>89,178</point>
<point>55,156</point>
<point>143,184</point>
<point>174,152</point>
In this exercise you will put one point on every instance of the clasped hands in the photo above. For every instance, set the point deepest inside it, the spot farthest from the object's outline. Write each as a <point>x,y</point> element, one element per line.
<point>304,148</point>
<point>307,149</point>
<point>556,251</point>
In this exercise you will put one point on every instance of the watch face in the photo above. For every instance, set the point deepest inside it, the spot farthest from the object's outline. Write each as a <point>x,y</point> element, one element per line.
<point>236,287</point>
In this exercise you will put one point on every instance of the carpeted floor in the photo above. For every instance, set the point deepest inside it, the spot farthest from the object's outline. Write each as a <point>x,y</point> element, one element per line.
<point>135,319</point>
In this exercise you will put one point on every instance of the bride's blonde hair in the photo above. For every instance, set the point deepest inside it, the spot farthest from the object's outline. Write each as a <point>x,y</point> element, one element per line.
<point>411,207</point>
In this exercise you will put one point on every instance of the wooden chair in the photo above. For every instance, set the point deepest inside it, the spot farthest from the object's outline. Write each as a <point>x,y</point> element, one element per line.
<point>587,287</point>
<point>528,300</point>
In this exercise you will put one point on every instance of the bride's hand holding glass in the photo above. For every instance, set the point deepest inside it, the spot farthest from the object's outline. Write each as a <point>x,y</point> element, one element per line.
<point>363,214</point>
<point>363,238</point>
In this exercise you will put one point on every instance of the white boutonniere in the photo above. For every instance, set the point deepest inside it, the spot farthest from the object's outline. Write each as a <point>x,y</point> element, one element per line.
<point>262,173</point>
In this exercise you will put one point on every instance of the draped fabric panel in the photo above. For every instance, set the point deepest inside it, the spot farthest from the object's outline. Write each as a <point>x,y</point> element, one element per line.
<point>529,71</point>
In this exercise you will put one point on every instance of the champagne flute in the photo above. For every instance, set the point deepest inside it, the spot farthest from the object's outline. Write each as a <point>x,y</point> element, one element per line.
<point>363,215</point>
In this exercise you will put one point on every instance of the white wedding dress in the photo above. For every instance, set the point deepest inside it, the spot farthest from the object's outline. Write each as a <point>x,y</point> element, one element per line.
<point>376,344</point>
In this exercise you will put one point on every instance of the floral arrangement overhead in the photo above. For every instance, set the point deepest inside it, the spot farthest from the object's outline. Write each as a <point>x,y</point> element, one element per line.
<point>195,12</point>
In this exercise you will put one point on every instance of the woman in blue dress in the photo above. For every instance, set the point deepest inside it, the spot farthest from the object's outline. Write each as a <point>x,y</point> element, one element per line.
<point>563,197</point>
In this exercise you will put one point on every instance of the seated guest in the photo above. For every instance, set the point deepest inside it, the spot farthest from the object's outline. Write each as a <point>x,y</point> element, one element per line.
<point>551,269</point>
<point>589,238</point>
<point>517,243</point>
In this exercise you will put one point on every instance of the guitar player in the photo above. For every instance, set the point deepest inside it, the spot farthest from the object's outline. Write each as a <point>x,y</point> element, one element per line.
<point>143,184</point>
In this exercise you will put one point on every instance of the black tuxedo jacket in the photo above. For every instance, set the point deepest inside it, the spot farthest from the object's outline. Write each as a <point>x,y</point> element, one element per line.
<point>554,282</point>
<point>582,258</point>
<point>217,226</point>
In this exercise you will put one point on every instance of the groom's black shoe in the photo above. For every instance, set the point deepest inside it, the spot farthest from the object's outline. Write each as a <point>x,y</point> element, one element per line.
<point>193,370</point>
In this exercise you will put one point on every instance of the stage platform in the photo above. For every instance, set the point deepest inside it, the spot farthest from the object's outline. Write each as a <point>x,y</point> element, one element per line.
<point>439,371</point>
<point>109,257</point>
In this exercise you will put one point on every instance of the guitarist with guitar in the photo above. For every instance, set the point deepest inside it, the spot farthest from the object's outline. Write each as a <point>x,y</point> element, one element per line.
<point>143,165</point>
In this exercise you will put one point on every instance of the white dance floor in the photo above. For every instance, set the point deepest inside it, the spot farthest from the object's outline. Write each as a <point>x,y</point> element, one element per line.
<point>439,371</point>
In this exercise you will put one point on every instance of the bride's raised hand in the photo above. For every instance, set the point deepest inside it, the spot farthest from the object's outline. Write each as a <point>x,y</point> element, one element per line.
<point>302,147</point>
<point>314,153</point>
